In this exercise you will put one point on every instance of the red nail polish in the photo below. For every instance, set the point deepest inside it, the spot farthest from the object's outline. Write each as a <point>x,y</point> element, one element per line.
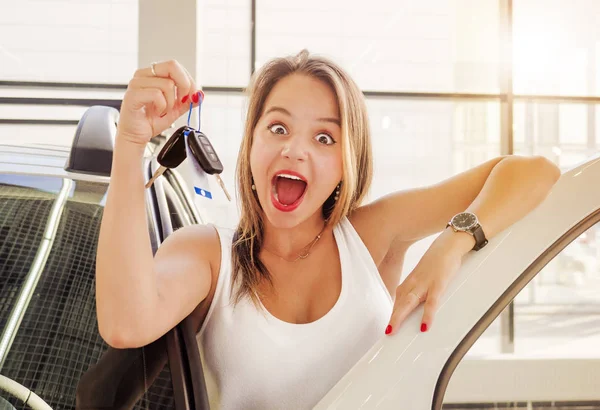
<point>184,99</point>
<point>423,327</point>
<point>195,98</point>
<point>388,330</point>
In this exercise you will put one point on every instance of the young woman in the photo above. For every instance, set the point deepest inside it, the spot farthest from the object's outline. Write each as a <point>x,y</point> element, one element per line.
<point>309,280</point>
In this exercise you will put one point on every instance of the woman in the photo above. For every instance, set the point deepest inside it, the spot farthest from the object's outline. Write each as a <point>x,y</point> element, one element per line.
<point>309,280</point>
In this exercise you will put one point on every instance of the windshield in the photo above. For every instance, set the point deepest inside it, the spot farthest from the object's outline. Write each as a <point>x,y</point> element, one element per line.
<point>48,237</point>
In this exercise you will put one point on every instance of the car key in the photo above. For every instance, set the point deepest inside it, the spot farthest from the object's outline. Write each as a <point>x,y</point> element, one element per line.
<point>171,155</point>
<point>206,157</point>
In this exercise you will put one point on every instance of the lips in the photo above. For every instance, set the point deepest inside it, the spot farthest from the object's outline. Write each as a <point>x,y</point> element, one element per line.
<point>287,190</point>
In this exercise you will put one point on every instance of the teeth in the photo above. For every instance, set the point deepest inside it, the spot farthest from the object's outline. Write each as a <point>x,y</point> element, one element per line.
<point>289,176</point>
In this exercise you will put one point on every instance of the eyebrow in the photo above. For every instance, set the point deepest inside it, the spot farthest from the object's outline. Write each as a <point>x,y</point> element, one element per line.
<point>286,112</point>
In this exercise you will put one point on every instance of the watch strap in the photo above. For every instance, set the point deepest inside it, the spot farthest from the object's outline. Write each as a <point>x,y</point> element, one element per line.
<point>480,239</point>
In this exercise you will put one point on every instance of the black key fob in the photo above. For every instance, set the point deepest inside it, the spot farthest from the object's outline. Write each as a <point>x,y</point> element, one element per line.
<point>204,152</point>
<point>173,152</point>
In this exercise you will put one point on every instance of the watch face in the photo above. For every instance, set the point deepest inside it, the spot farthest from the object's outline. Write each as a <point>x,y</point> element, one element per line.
<point>464,220</point>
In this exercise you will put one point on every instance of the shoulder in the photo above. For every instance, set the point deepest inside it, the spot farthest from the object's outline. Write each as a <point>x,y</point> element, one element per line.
<point>193,235</point>
<point>195,252</point>
<point>194,243</point>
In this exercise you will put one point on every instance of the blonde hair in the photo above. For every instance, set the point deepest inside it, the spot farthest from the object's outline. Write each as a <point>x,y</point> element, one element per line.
<point>248,269</point>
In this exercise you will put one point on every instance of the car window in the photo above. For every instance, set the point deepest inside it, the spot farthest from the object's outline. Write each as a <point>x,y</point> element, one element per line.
<point>50,342</point>
<point>554,335</point>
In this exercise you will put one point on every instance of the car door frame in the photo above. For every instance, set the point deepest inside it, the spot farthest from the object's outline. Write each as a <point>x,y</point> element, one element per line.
<point>174,209</point>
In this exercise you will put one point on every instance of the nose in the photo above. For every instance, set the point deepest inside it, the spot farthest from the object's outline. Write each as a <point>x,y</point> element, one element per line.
<point>295,148</point>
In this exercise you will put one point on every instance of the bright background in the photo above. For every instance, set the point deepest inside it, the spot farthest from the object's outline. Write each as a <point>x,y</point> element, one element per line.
<point>442,63</point>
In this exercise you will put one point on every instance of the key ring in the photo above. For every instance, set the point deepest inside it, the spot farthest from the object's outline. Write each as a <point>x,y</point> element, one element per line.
<point>200,99</point>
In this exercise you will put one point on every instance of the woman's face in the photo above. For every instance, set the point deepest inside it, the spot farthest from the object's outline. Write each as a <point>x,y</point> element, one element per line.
<point>296,155</point>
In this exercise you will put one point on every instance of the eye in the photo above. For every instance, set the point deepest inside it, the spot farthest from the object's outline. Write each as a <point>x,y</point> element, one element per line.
<point>278,129</point>
<point>325,139</point>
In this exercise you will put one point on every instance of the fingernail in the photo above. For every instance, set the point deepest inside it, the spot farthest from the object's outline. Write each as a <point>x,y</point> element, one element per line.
<point>184,99</point>
<point>195,98</point>
<point>388,330</point>
<point>423,327</point>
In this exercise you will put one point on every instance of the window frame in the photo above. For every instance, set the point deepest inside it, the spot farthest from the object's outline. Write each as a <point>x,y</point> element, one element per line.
<point>505,300</point>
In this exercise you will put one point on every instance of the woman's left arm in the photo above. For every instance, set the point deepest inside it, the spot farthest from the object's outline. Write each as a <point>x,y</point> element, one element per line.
<point>510,187</point>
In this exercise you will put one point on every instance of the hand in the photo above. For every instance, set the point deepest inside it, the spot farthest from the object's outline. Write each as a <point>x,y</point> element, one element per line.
<point>153,102</point>
<point>426,283</point>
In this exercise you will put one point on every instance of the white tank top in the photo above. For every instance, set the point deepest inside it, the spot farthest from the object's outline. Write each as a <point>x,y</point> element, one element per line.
<point>252,360</point>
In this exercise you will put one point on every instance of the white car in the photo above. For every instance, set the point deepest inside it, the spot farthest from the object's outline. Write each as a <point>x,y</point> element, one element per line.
<point>410,370</point>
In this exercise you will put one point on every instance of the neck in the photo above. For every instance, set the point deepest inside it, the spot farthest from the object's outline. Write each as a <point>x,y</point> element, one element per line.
<point>289,242</point>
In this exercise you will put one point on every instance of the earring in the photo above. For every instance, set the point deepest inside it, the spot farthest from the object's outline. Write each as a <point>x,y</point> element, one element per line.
<point>253,187</point>
<point>337,192</point>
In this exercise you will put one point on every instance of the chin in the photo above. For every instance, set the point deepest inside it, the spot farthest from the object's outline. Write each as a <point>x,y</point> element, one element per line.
<point>284,222</point>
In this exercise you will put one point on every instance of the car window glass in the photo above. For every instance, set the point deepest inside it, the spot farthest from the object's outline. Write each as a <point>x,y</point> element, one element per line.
<point>558,313</point>
<point>48,237</point>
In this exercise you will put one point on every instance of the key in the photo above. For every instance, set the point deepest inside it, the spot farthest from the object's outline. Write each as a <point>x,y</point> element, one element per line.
<point>220,181</point>
<point>171,155</point>
<point>206,157</point>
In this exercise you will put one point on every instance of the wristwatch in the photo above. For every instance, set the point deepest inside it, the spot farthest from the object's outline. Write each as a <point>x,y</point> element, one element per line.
<point>468,222</point>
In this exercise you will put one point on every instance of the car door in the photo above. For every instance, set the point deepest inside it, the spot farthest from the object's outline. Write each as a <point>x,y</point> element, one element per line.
<point>156,376</point>
<point>51,353</point>
<point>176,210</point>
<point>411,370</point>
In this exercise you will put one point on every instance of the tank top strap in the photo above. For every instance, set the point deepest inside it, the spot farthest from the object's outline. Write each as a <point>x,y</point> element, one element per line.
<point>359,254</point>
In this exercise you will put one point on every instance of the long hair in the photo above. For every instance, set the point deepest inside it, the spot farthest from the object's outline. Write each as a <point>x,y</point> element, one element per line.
<point>248,269</point>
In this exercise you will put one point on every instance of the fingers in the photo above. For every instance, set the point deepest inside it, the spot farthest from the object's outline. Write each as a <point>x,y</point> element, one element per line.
<point>192,95</point>
<point>193,88</point>
<point>153,100</point>
<point>147,97</point>
<point>165,85</point>
<point>176,72</point>
<point>404,304</point>
<point>431,306</point>
<point>195,98</point>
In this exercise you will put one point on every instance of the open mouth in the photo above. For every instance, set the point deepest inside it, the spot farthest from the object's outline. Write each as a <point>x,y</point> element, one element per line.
<point>287,190</point>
